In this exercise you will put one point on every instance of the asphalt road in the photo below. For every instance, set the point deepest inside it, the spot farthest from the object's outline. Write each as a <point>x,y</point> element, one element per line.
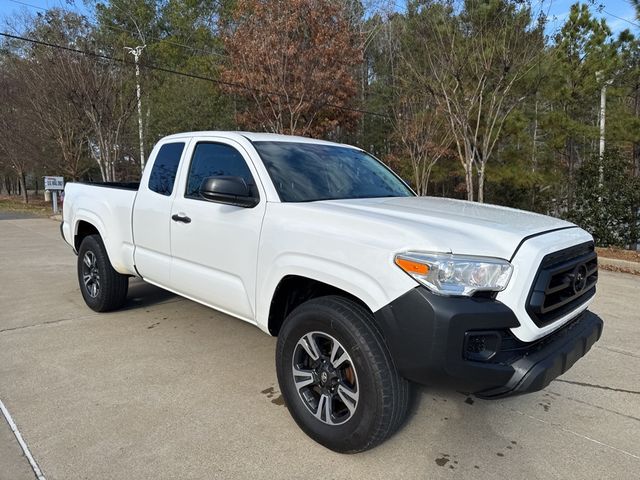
<point>167,388</point>
<point>6,215</point>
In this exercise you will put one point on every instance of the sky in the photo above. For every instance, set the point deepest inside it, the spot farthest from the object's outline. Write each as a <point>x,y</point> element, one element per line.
<point>620,14</point>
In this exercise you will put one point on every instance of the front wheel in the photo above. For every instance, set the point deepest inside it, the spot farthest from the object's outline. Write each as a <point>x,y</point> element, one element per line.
<point>337,377</point>
<point>102,288</point>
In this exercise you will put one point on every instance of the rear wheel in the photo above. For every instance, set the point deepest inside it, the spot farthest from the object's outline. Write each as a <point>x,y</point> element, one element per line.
<point>337,377</point>
<point>102,288</point>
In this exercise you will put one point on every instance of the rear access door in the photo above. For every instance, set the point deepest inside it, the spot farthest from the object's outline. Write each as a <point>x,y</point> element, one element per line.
<point>151,211</point>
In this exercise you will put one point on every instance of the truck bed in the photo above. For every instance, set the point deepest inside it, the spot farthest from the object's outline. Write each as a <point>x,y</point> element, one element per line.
<point>121,185</point>
<point>107,206</point>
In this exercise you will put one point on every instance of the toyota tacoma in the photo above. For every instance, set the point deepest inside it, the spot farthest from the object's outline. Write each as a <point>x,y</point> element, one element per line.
<point>366,285</point>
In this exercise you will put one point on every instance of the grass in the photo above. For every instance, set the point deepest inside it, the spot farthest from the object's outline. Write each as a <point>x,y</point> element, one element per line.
<point>36,206</point>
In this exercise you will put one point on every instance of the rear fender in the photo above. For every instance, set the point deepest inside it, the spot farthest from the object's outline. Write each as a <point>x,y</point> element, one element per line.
<point>83,215</point>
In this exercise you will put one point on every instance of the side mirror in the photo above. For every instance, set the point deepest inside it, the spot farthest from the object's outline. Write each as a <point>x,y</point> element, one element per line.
<point>228,190</point>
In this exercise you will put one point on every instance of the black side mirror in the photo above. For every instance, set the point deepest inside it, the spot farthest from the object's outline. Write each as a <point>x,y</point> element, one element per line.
<point>228,190</point>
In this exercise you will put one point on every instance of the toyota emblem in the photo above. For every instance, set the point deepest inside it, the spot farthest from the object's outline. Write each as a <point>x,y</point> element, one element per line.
<point>579,278</point>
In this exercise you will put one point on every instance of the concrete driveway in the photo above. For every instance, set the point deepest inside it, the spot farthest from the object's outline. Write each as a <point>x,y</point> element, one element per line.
<point>167,388</point>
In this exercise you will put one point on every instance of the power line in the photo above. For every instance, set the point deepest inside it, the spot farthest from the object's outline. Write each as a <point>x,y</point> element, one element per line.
<point>135,34</point>
<point>621,18</point>
<point>28,5</point>
<point>183,74</point>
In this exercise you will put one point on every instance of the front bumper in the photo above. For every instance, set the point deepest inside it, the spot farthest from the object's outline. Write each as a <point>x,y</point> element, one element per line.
<point>428,336</point>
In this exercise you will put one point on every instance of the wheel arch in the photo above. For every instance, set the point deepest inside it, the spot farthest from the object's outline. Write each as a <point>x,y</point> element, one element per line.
<point>82,230</point>
<point>293,290</point>
<point>88,223</point>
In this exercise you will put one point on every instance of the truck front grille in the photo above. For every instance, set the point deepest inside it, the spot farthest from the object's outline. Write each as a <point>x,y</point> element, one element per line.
<point>565,280</point>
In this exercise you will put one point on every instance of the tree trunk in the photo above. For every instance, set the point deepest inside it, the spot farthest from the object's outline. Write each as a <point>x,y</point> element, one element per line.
<point>103,173</point>
<point>534,152</point>
<point>481,183</point>
<point>534,144</point>
<point>469,181</point>
<point>571,157</point>
<point>635,233</point>
<point>426,180</point>
<point>23,187</point>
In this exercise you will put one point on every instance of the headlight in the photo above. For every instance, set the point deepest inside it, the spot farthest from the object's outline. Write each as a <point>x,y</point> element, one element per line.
<point>449,274</point>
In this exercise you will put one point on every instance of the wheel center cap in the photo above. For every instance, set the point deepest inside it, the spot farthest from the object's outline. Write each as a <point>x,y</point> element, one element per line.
<point>324,376</point>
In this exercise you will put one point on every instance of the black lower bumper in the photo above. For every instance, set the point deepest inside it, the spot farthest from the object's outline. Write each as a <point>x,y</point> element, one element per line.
<point>466,343</point>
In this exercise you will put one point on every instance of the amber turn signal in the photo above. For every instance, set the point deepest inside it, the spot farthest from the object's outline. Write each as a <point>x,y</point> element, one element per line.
<point>412,267</point>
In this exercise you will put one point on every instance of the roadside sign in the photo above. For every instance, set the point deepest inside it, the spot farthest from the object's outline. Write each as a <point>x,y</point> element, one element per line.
<point>53,183</point>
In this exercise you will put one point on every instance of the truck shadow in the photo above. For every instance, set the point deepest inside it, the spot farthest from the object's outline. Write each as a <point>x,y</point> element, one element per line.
<point>419,395</point>
<point>142,294</point>
<point>459,431</point>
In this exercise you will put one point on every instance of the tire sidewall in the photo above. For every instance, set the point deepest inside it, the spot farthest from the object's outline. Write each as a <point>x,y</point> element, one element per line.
<point>93,244</point>
<point>361,426</point>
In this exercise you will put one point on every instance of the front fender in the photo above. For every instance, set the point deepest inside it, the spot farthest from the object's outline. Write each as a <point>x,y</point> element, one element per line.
<point>356,282</point>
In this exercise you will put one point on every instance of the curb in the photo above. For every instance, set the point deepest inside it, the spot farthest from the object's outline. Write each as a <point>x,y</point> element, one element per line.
<point>617,265</point>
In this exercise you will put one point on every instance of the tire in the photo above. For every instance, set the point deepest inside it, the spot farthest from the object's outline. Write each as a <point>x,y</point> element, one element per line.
<point>103,289</point>
<point>367,399</point>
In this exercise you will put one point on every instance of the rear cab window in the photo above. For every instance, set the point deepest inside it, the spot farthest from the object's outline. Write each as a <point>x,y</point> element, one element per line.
<point>165,168</point>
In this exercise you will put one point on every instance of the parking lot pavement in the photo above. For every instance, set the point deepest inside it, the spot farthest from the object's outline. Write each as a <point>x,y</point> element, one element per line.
<point>4,215</point>
<point>167,388</point>
<point>13,464</point>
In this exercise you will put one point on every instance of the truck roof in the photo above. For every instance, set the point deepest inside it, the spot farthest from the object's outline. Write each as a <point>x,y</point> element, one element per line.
<point>254,137</point>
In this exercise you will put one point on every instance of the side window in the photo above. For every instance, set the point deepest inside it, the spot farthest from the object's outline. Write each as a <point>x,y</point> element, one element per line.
<point>216,159</point>
<point>165,167</point>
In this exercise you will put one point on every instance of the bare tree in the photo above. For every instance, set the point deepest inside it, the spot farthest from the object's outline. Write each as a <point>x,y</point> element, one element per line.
<point>50,91</point>
<point>19,143</point>
<point>54,101</point>
<point>423,135</point>
<point>107,104</point>
<point>81,101</point>
<point>474,60</point>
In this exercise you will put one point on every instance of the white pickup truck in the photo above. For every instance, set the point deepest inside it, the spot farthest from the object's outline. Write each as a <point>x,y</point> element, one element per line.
<point>367,286</point>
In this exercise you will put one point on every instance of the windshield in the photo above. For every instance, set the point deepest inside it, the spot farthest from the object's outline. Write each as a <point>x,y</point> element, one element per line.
<point>304,172</point>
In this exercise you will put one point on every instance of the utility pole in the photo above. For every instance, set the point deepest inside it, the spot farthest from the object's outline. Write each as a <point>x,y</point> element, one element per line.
<point>136,52</point>
<point>603,103</point>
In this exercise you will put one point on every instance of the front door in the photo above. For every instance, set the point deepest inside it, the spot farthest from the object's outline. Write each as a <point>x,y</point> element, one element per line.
<point>215,246</point>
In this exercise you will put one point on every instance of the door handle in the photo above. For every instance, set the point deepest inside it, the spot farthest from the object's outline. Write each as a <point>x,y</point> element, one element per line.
<point>179,218</point>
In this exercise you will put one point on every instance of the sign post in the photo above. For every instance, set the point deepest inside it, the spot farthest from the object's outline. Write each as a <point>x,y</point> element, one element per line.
<point>53,184</point>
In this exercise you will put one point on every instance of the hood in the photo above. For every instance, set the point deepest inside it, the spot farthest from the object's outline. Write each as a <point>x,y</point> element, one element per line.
<point>447,225</point>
